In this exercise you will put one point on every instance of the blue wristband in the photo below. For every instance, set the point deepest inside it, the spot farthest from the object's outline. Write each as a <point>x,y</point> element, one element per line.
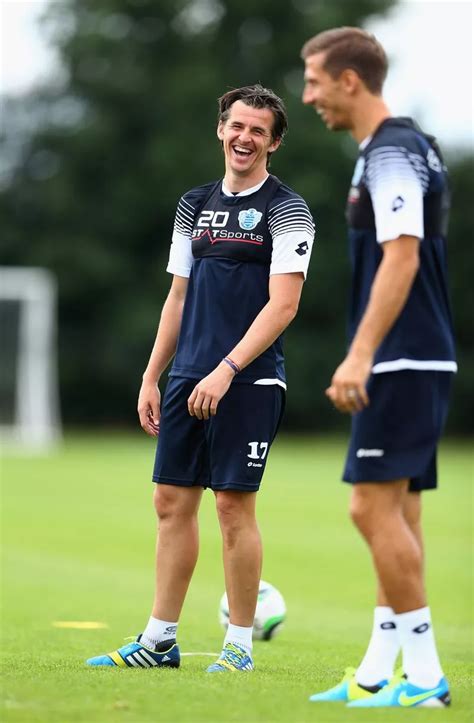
<point>232,364</point>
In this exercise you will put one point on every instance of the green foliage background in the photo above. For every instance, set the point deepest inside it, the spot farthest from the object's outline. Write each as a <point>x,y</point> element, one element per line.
<point>106,151</point>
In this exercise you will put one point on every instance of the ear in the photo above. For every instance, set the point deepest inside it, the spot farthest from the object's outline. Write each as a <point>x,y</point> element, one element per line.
<point>349,80</point>
<point>220,130</point>
<point>273,147</point>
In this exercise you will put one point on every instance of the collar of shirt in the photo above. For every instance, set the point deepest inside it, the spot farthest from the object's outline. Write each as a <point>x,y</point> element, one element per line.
<point>363,144</point>
<point>247,191</point>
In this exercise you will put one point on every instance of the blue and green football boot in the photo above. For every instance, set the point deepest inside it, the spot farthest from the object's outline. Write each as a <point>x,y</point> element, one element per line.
<point>348,689</point>
<point>137,655</point>
<point>233,657</point>
<point>400,693</point>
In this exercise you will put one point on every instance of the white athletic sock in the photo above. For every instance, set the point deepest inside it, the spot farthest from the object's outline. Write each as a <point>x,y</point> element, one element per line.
<point>157,631</point>
<point>420,657</point>
<point>384,646</point>
<point>241,636</point>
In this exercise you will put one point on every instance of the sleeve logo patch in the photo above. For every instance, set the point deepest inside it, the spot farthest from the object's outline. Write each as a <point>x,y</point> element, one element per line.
<point>397,203</point>
<point>249,218</point>
<point>302,248</point>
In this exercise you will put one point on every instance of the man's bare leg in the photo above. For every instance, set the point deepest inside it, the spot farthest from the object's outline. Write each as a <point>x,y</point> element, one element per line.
<point>412,513</point>
<point>389,520</point>
<point>177,546</point>
<point>377,509</point>
<point>382,651</point>
<point>242,553</point>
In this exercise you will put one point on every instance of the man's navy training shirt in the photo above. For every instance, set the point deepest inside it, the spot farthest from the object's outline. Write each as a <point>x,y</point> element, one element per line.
<point>228,246</point>
<point>400,187</point>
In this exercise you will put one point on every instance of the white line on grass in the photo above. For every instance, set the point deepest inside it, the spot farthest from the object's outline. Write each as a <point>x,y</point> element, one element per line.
<point>79,624</point>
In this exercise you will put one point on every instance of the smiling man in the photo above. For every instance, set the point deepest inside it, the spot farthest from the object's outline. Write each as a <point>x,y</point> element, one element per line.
<point>239,256</point>
<point>396,376</point>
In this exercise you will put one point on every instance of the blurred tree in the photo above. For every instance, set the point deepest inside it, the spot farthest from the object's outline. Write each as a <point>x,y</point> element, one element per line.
<point>128,128</point>
<point>461,267</point>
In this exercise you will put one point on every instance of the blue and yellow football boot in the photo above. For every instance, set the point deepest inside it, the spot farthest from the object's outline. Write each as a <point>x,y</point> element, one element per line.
<point>232,658</point>
<point>136,655</point>
<point>348,689</point>
<point>400,693</point>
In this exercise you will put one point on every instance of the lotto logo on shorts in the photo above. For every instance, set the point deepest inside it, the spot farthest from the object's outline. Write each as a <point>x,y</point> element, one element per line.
<point>258,451</point>
<point>370,453</point>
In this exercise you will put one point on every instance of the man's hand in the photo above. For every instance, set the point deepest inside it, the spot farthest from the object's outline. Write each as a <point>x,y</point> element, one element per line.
<point>388,295</point>
<point>207,394</point>
<point>348,386</point>
<point>149,407</point>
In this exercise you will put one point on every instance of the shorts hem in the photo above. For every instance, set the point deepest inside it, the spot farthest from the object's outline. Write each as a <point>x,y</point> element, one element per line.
<point>235,488</point>
<point>157,479</point>
<point>412,479</point>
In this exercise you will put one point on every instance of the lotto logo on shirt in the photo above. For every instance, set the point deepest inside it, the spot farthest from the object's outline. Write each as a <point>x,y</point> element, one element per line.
<point>398,203</point>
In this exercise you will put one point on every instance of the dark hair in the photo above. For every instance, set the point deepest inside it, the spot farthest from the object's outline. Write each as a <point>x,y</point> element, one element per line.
<point>350,48</point>
<point>256,96</point>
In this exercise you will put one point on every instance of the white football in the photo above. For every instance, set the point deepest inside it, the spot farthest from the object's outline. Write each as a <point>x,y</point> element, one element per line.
<point>269,615</point>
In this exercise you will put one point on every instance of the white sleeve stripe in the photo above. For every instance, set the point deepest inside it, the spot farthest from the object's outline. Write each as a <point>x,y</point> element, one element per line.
<point>288,228</point>
<point>295,203</point>
<point>292,223</point>
<point>378,176</point>
<point>184,218</point>
<point>291,218</point>
<point>183,201</point>
<point>297,215</point>
<point>291,213</point>
<point>184,221</point>
<point>384,166</point>
<point>183,228</point>
<point>395,162</point>
<point>294,217</point>
<point>289,202</point>
<point>184,212</point>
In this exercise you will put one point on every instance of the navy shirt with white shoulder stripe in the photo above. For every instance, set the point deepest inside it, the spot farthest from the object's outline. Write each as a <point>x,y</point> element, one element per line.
<point>399,187</point>
<point>229,246</point>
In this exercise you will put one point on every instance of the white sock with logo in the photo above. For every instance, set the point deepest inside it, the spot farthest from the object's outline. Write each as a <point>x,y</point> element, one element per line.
<point>384,646</point>
<point>239,635</point>
<point>420,657</point>
<point>157,631</point>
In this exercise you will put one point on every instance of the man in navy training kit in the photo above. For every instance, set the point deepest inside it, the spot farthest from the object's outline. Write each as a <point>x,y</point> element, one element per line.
<point>239,256</point>
<point>395,378</point>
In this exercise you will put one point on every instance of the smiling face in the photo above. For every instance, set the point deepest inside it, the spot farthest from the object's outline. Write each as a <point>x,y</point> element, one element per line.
<point>247,138</point>
<point>330,97</point>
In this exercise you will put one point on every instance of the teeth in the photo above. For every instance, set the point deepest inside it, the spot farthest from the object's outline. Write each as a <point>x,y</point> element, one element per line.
<point>239,149</point>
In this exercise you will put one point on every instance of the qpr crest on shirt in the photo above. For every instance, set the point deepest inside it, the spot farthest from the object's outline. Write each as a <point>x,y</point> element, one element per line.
<point>249,218</point>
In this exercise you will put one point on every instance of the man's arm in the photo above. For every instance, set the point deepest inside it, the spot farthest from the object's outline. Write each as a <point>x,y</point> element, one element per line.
<point>276,315</point>
<point>163,351</point>
<point>389,293</point>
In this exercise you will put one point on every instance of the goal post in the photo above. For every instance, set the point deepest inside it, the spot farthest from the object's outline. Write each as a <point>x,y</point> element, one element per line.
<point>29,398</point>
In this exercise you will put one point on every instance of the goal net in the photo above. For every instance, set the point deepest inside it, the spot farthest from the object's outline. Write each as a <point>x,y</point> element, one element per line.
<point>29,402</point>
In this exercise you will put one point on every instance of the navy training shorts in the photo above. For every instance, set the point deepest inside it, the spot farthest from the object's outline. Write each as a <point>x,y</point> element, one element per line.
<point>396,436</point>
<point>226,452</point>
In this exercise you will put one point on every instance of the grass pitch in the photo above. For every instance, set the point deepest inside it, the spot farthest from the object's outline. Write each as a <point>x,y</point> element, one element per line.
<point>79,532</point>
